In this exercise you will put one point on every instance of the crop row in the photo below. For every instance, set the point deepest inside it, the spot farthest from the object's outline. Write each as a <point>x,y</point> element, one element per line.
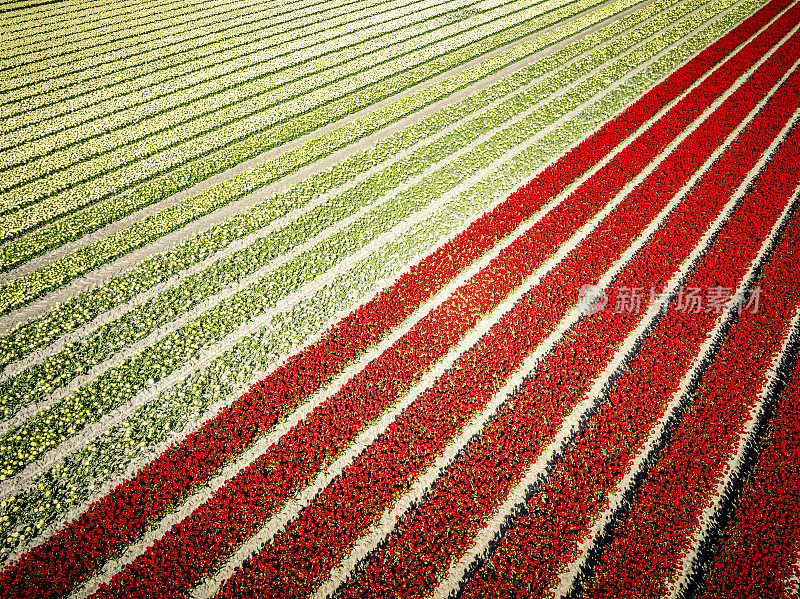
<point>758,546</point>
<point>173,414</point>
<point>388,468</point>
<point>74,226</point>
<point>297,456</point>
<point>216,86</point>
<point>143,61</point>
<point>119,383</point>
<point>280,106</point>
<point>426,426</point>
<point>441,527</point>
<point>27,286</point>
<point>431,265</point>
<point>23,17</point>
<point>559,513</point>
<point>146,28</point>
<point>169,413</point>
<point>159,75</point>
<point>31,22</point>
<point>384,381</point>
<point>223,374</point>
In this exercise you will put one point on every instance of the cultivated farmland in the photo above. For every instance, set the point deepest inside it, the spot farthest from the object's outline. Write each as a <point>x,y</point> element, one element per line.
<point>400,298</point>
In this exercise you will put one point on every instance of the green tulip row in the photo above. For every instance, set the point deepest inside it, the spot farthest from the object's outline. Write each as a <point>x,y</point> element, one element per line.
<point>271,99</point>
<point>149,74</point>
<point>86,47</point>
<point>111,454</point>
<point>60,271</point>
<point>213,83</point>
<point>22,19</point>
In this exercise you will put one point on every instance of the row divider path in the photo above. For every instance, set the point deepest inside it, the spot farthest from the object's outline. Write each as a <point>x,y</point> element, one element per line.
<point>680,482</point>
<point>237,244</point>
<point>290,514</point>
<point>569,580</point>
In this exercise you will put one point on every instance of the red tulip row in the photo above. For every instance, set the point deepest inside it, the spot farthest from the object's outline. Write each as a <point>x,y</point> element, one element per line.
<point>562,511</point>
<point>421,548</point>
<point>649,543</point>
<point>113,522</point>
<point>759,546</point>
<point>202,541</point>
<point>327,529</point>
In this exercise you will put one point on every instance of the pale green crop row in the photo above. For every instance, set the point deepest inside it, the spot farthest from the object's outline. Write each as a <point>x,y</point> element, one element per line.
<point>214,95</point>
<point>253,103</point>
<point>151,24</point>
<point>20,17</point>
<point>34,383</point>
<point>73,480</point>
<point>75,77</point>
<point>26,287</point>
<point>146,75</point>
<point>83,83</point>
<point>96,18</point>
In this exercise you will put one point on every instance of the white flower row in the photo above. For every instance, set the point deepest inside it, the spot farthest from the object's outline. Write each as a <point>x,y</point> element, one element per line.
<point>126,60</point>
<point>174,16</point>
<point>26,19</point>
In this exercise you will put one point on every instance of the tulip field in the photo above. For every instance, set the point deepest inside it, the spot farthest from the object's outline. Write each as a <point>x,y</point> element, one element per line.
<point>400,298</point>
